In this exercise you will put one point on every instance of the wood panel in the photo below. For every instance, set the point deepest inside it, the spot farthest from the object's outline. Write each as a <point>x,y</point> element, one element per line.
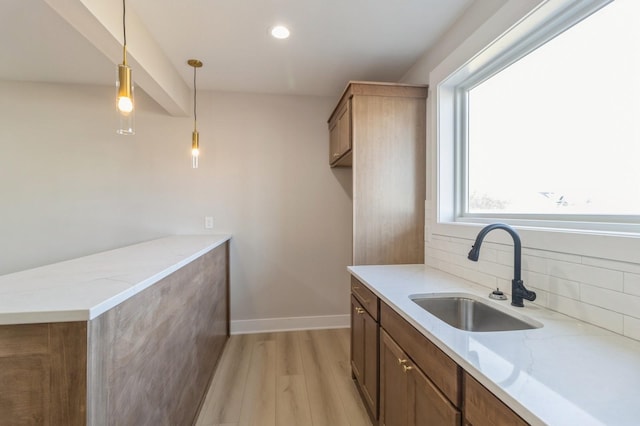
<point>43,374</point>
<point>68,352</point>
<point>388,179</point>
<point>482,408</point>
<point>152,357</point>
<point>442,370</point>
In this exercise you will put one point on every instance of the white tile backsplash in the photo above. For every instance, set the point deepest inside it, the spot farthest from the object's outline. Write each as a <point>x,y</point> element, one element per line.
<point>632,327</point>
<point>602,292</point>
<point>632,284</point>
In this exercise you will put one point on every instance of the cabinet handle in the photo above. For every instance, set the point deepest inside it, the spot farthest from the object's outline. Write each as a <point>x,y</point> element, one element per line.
<point>407,368</point>
<point>359,311</point>
<point>401,361</point>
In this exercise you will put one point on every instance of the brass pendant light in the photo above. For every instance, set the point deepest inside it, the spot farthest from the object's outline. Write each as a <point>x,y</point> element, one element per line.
<point>124,87</point>
<point>195,137</point>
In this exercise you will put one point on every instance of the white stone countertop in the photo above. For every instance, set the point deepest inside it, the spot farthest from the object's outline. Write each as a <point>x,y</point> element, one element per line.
<point>82,289</point>
<point>566,373</point>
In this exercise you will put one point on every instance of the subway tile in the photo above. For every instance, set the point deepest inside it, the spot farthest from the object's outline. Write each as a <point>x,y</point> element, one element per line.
<point>604,278</point>
<point>566,288</point>
<point>613,300</point>
<point>534,279</point>
<point>553,255</point>
<point>464,262</point>
<point>440,255</point>
<point>632,284</point>
<point>451,269</point>
<point>535,264</point>
<point>431,261</point>
<point>612,264</point>
<point>596,315</point>
<point>462,249</point>
<point>504,258</point>
<point>504,285</point>
<point>632,327</point>
<point>542,297</point>
<point>481,278</point>
<point>495,269</point>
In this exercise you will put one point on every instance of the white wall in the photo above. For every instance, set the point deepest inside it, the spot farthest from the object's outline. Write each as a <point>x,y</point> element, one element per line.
<point>603,290</point>
<point>70,186</point>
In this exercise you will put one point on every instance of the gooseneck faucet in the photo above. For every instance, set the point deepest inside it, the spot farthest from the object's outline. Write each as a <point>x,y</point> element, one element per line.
<point>518,290</point>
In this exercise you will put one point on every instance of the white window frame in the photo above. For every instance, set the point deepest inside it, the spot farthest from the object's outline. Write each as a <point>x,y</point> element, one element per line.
<point>481,55</point>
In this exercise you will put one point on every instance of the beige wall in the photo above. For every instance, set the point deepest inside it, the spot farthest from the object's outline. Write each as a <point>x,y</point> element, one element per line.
<point>70,186</point>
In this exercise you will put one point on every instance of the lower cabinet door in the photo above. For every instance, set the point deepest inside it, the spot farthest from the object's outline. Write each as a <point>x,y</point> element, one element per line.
<point>427,405</point>
<point>407,396</point>
<point>393,383</point>
<point>364,354</point>
<point>357,340</point>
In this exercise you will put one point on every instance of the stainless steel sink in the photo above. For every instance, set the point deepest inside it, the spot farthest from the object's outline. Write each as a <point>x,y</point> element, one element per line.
<point>466,312</point>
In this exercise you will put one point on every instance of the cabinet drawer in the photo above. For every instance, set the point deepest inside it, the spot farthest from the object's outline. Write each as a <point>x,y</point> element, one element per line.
<point>481,407</point>
<point>437,365</point>
<point>365,296</point>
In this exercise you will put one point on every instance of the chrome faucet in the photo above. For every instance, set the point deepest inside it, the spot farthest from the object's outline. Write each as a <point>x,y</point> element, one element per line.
<point>518,291</point>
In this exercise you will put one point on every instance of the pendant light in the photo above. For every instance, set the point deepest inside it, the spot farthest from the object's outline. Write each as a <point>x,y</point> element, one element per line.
<point>195,137</point>
<point>124,87</point>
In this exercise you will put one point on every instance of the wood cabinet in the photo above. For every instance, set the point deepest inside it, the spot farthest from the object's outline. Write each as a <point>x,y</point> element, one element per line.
<point>364,344</point>
<point>482,408</point>
<point>408,395</point>
<point>379,129</point>
<point>340,136</point>
<point>409,381</point>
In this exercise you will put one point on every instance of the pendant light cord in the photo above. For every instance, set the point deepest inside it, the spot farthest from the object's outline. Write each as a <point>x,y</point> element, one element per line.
<point>195,96</point>
<point>124,32</point>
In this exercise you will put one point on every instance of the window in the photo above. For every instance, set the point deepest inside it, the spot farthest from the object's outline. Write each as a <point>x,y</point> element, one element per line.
<point>550,122</point>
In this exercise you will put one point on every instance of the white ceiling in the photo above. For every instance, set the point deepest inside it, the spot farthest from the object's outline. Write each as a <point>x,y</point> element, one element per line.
<point>332,41</point>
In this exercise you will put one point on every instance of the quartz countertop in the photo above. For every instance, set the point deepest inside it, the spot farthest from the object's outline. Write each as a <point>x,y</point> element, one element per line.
<point>83,288</point>
<point>566,373</point>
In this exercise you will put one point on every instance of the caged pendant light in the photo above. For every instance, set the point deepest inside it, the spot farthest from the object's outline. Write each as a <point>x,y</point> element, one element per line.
<point>124,87</point>
<point>195,137</point>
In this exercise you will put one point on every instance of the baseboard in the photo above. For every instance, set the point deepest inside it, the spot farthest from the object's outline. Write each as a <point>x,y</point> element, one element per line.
<point>289,324</point>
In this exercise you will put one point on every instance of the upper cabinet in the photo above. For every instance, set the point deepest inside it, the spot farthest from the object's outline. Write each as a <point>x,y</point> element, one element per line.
<point>340,135</point>
<point>379,129</point>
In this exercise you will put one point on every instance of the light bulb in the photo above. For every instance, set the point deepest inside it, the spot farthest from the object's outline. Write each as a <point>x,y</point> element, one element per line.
<point>125,104</point>
<point>195,149</point>
<point>195,154</point>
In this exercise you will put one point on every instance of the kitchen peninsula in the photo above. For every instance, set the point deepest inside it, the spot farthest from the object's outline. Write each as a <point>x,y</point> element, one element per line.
<point>127,336</point>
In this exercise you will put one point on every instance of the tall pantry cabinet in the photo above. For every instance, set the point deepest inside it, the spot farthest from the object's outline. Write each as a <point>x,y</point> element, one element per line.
<point>379,130</point>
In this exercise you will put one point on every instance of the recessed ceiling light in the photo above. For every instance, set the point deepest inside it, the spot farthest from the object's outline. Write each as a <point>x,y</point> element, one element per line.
<point>280,31</point>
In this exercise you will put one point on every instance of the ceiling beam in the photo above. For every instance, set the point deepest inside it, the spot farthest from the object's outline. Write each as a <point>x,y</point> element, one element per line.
<point>100,22</point>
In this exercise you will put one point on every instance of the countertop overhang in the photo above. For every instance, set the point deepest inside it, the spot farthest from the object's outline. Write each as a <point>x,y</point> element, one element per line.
<point>566,373</point>
<point>82,289</point>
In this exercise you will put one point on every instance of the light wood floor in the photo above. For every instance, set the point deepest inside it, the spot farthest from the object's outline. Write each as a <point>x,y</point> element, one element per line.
<point>296,378</point>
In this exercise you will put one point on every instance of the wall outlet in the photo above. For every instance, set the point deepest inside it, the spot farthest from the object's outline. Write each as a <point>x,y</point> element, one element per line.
<point>208,222</point>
